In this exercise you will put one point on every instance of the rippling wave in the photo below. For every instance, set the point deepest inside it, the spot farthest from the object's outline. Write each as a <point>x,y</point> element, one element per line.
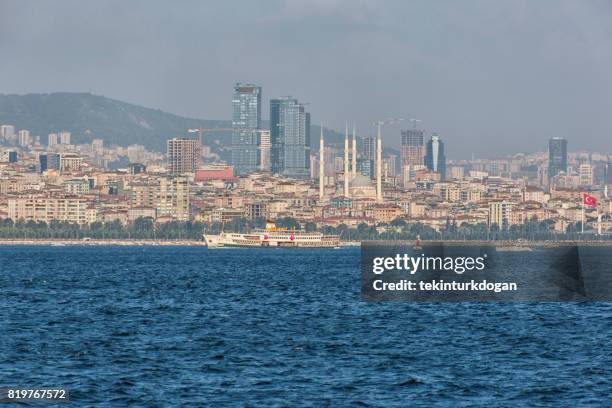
<point>188,327</point>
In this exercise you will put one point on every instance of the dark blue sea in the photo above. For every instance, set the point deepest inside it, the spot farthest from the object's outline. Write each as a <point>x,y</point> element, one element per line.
<point>191,327</point>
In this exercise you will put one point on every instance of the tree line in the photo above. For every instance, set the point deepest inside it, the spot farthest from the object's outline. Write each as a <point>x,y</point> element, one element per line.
<point>400,229</point>
<point>145,228</point>
<point>141,228</point>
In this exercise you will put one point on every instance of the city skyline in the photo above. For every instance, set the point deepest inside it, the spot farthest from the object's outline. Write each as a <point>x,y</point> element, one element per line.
<point>103,183</point>
<point>225,203</point>
<point>503,75</point>
<point>249,155</point>
<point>413,142</point>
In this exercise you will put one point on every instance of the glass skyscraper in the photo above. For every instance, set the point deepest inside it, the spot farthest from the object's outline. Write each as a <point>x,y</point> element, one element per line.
<point>369,148</point>
<point>290,137</point>
<point>49,161</point>
<point>557,156</point>
<point>435,157</point>
<point>246,123</point>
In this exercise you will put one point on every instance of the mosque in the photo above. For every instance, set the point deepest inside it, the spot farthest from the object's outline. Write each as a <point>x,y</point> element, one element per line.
<point>355,185</point>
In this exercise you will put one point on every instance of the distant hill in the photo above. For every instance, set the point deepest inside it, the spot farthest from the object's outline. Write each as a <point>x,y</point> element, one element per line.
<point>89,116</point>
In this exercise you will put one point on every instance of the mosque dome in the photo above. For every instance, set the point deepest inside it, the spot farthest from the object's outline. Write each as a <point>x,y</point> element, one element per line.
<point>360,181</point>
<point>362,187</point>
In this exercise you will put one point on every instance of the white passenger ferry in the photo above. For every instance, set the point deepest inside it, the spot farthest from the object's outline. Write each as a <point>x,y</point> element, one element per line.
<point>272,237</point>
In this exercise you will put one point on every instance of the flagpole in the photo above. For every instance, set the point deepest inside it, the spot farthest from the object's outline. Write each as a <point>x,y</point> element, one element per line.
<point>582,218</point>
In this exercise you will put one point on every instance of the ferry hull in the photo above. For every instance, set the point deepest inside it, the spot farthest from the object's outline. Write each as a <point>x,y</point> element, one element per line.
<point>261,241</point>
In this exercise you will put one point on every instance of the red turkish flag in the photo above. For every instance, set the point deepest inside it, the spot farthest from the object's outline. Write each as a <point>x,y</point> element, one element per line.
<point>589,200</point>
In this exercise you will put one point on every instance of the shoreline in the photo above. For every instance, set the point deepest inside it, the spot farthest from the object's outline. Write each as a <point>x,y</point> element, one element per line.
<point>121,242</point>
<point>344,244</point>
<point>106,242</point>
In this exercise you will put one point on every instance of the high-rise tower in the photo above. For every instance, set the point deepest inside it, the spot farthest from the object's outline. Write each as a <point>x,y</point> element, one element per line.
<point>557,156</point>
<point>321,166</point>
<point>346,161</point>
<point>369,148</point>
<point>246,122</point>
<point>265,146</point>
<point>379,196</point>
<point>183,155</point>
<point>435,157</point>
<point>412,147</point>
<point>290,137</point>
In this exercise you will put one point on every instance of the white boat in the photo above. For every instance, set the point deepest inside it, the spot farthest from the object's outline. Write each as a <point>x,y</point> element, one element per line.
<point>513,249</point>
<point>272,237</point>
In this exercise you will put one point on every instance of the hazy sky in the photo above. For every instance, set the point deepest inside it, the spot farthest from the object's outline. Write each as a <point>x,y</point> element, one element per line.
<point>489,76</point>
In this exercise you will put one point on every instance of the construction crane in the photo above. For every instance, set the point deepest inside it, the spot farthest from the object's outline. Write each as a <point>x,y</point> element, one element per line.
<point>200,131</point>
<point>415,122</point>
<point>388,121</point>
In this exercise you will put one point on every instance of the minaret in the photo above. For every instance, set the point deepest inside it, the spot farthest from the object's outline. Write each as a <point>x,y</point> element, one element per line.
<point>321,166</point>
<point>354,152</point>
<point>379,197</point>
<point>346,161</point>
